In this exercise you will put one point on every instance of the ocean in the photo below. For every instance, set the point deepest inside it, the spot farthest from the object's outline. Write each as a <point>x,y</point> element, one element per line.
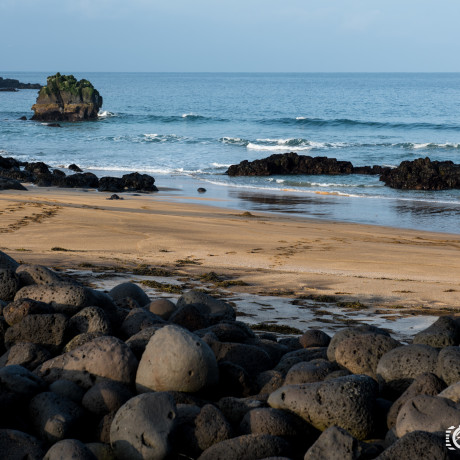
<point>185,129</point>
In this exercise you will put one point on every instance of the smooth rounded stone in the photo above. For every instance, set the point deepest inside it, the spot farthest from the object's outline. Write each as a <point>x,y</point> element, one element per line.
<point>234,409</point>
<point>335,443</point>
<point>298,356</point>
<point>361,354</point>
<point>351,332</point>
<point>132,290</point>
<point>269,381</point>
<point>103,358</point>
<point>277,423</point>
<point>452,392</point>
<point>314,338</point>
<point>139,319</point>
<point>18,379</point>
<point>139,341</point>
<point>141,427</point>
<point>16,445</point>
<point>424,384</point>
<point>251,358</point>
<point>234,380</point>
<point>9,284</point>
<point>16,311</point>
<point>419,445</point>
<point>101,451</point>
<point>55,417</point>
<point>37,274</point>
<point>211,427</point>
<point>176,359</point>
<point>348,402</point>
<point>69,449</point>
<point>427,413</point>
<point>47,330</point>
<point>191,317</point>
<point>229,331</point>
<point>442,333</point>
<point>68,389</point>
<point>7,262</point>
<point>25,354</point>
<point>161,307</point>
<point>90,319</point>
<point>248,447</point>
<point>80,340</point>
<point>61,293</point>
<point>309,371</point>
<point>400,366</point>
<point>217,310</point>
<point>105,397</point>
<point>448,365</point>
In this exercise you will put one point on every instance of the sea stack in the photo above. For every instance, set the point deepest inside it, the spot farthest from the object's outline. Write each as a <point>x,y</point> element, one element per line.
<point>66,99</point>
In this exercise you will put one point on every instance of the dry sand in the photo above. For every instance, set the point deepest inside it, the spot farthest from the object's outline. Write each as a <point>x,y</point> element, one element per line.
<point>376,265</point>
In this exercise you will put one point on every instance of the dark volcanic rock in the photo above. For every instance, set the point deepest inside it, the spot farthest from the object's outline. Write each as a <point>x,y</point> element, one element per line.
<point>139,182</point>
<point>16,445</point>
<point>66,99</point>
<point>290,163</point>
<point>10,184</point>
<point>81,180</point>
<point>9,83</point>
<point>423,174</point>
<point>75,168</point>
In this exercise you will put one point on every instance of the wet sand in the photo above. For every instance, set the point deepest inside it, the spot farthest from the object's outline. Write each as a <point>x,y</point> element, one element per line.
<point>274,254</point>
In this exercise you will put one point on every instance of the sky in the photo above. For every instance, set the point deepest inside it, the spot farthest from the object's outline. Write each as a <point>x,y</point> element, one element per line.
<point>230,36</point>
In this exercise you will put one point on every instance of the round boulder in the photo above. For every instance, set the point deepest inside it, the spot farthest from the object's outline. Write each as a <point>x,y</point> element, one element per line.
<point>69,449</point>
<point>16,445</point>
<point>348,402</point>
<point>37,274</point>
<point>314,338</point>
<point>103,358</point>
<point>443,333</point>
<point>7,262</point>
<point>448,366</point>
<point>176,359</point>
<point>309,371</point>
<point>9,284</point>
<point>162,307</point>
<point>361,354</point>
<point>132,290</point>
<point>105,397</point>
<point>427,413</point>
<point>141,427</point>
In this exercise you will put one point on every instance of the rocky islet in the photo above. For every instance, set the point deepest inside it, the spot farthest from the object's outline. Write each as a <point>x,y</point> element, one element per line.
<point>419,174</point>
<point>149,388</point>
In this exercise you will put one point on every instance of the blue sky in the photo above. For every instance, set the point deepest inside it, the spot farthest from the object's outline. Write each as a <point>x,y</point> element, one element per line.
<point>237,35</point>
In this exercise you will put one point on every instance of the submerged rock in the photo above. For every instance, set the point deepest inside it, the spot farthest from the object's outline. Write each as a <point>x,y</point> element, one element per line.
<point>66,99</point>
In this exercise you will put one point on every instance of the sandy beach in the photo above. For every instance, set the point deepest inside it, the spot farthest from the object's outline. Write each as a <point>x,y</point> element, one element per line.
<point>273,254</point>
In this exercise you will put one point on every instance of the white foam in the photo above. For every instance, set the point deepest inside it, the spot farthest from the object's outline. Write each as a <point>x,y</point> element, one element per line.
<point>420,146</point>
<point>106,114</point>
<point>220,165</point>
<point>252,146</point>
<point>301,118</point>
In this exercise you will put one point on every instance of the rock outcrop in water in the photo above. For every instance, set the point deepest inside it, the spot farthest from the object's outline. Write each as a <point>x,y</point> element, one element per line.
<point>423,174</point>
<point>420,174</point>
<point>66,99</point>
<point>292,163</point>
<point>10,83</point>
<point>87,374</point>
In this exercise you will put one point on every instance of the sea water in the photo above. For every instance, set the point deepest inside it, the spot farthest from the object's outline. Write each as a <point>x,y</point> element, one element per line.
<point>185,129</point>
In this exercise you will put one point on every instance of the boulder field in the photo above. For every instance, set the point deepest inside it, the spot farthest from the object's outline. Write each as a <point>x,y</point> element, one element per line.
<point>13,172</point>
<point>87,374</point>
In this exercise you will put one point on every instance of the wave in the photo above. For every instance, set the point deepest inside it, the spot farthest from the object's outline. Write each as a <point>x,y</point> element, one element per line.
<point>221,165</point>
<point>346,122</point>
<point>106,114</point>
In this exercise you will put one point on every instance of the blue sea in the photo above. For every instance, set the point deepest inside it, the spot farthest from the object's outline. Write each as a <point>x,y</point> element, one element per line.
<point>185,129</point>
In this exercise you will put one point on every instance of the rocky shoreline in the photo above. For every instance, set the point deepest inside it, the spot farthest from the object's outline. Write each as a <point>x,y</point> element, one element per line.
<point>14,172</point>
<point>10,84</point>
<point>419,174</point>
<point>119,375</point>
